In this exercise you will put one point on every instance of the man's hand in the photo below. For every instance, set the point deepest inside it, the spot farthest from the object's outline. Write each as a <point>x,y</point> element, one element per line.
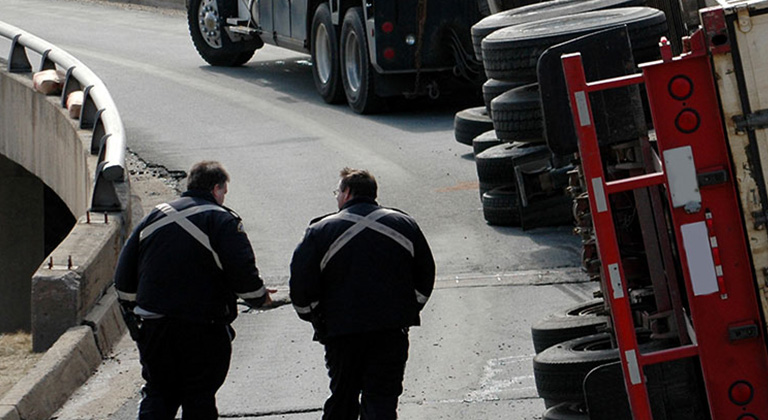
<point>265,303</point>
<point>268,302</point>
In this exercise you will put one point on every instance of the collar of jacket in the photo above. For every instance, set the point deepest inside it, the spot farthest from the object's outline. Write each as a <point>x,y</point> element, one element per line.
<point>359,200</point>
<point>205,195</point>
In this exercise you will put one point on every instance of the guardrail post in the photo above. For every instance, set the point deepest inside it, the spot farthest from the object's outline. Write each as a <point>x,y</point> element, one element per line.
<point>99,136</point>
<point>104,195</point>
<point>18,61</point>
<point>71,84</point>
<point>46,63</point>
<point>88,111</point>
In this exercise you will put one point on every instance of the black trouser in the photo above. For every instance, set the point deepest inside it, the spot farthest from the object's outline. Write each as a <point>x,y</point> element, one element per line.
<point>372,364</point>
<point>184,364</point>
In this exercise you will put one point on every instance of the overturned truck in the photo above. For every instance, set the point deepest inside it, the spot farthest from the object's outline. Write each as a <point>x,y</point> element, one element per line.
<point>669,173</point>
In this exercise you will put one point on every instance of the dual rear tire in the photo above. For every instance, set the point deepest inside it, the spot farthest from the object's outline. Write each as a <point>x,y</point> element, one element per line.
<point>325,56</point>
<point>342,68</point>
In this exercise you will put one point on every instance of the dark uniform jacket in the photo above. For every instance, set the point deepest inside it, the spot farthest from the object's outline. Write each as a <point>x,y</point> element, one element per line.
<point>167,270</point>
<point>352,277</point>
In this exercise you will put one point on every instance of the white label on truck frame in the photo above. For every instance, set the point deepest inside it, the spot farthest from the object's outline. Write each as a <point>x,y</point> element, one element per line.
<point>616,284</point>
<point>583,108</point>
<point>701,266</point>
<point>681,175</point>
<point>632,367</point>
<point>600,201</point>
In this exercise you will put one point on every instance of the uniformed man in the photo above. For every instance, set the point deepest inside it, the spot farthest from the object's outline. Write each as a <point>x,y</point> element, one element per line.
<point>362,276</point>
<point>178,279</point>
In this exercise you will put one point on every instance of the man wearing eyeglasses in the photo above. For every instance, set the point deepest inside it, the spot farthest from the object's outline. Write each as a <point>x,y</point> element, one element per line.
<point>361,276</point>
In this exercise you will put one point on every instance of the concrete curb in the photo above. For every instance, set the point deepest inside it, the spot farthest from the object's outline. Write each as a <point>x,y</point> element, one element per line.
<point>106,321</point>
<point>66,365</point>
<point>63,368</point>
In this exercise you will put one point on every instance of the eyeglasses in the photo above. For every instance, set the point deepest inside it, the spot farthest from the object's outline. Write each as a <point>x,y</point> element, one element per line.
<point>336,192</point>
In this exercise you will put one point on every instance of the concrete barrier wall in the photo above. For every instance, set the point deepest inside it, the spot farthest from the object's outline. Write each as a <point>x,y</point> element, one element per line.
<point>68,302</point>
<point>37,133</point>
<point>63,295</point>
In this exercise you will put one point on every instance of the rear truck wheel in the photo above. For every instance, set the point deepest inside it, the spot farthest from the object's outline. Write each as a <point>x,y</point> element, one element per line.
<point>485,141</point>
<point>568,323</point>
<point>206,20</point>
<point>535,11</point>
<point>517,114</point>
<point>496,165</point>
<point>357,74</point>
<point>512,53</point>
<point>675,390</point>
<point>500,206</point>
<point>560,370</point>
<point>605,395</point>
<point>618,114</point>
<point>470,123</point>
<point>493,88</point>
<point>555,210</point>
<point>326,67</point>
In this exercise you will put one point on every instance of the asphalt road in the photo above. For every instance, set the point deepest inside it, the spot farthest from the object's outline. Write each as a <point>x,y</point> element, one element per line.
<point>284,147</point>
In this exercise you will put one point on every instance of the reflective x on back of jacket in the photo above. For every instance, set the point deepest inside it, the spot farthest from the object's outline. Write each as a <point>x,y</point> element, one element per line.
<point>360,224</point>
<point>180,218</point>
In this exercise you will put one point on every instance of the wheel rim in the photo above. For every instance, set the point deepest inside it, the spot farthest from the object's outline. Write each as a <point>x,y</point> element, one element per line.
<point>323,54</point>
<point>352,62</point>
<point>208,22</point>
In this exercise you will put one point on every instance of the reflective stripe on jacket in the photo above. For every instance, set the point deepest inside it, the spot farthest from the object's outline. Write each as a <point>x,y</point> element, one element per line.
<point>365,268</point>
<point>189,259</point>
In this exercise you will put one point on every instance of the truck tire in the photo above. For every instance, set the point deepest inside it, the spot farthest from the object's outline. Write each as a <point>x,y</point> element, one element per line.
<point>493,88</point>
<point>495,166</point>
<point>514,16</point>
<point>500,206</point>
<point>674,390</point>
<point>326,68</point>
<point>485,141</point>
<point>470,123</point>
<point>560,370</point>
<point>568,323</point>
<point>357,73</point>
<point>539,11</point>
<point>517,114</point>
<point>513,52</point>
<point>206,27</point>
<point>618,114</point>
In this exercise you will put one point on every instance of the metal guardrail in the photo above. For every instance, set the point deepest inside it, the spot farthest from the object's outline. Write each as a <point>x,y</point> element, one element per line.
<point>98,112</point>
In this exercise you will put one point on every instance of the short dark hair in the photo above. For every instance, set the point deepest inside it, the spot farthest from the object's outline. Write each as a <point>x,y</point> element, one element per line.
<point>205,175</point>
<point>359,181</point>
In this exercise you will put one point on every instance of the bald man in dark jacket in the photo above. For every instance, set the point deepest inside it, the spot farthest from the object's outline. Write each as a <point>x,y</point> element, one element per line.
<point>178,279</point>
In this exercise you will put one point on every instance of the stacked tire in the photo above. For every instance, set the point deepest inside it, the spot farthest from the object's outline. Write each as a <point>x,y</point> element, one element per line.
<point>498,172</point>
<point>510,43</point>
